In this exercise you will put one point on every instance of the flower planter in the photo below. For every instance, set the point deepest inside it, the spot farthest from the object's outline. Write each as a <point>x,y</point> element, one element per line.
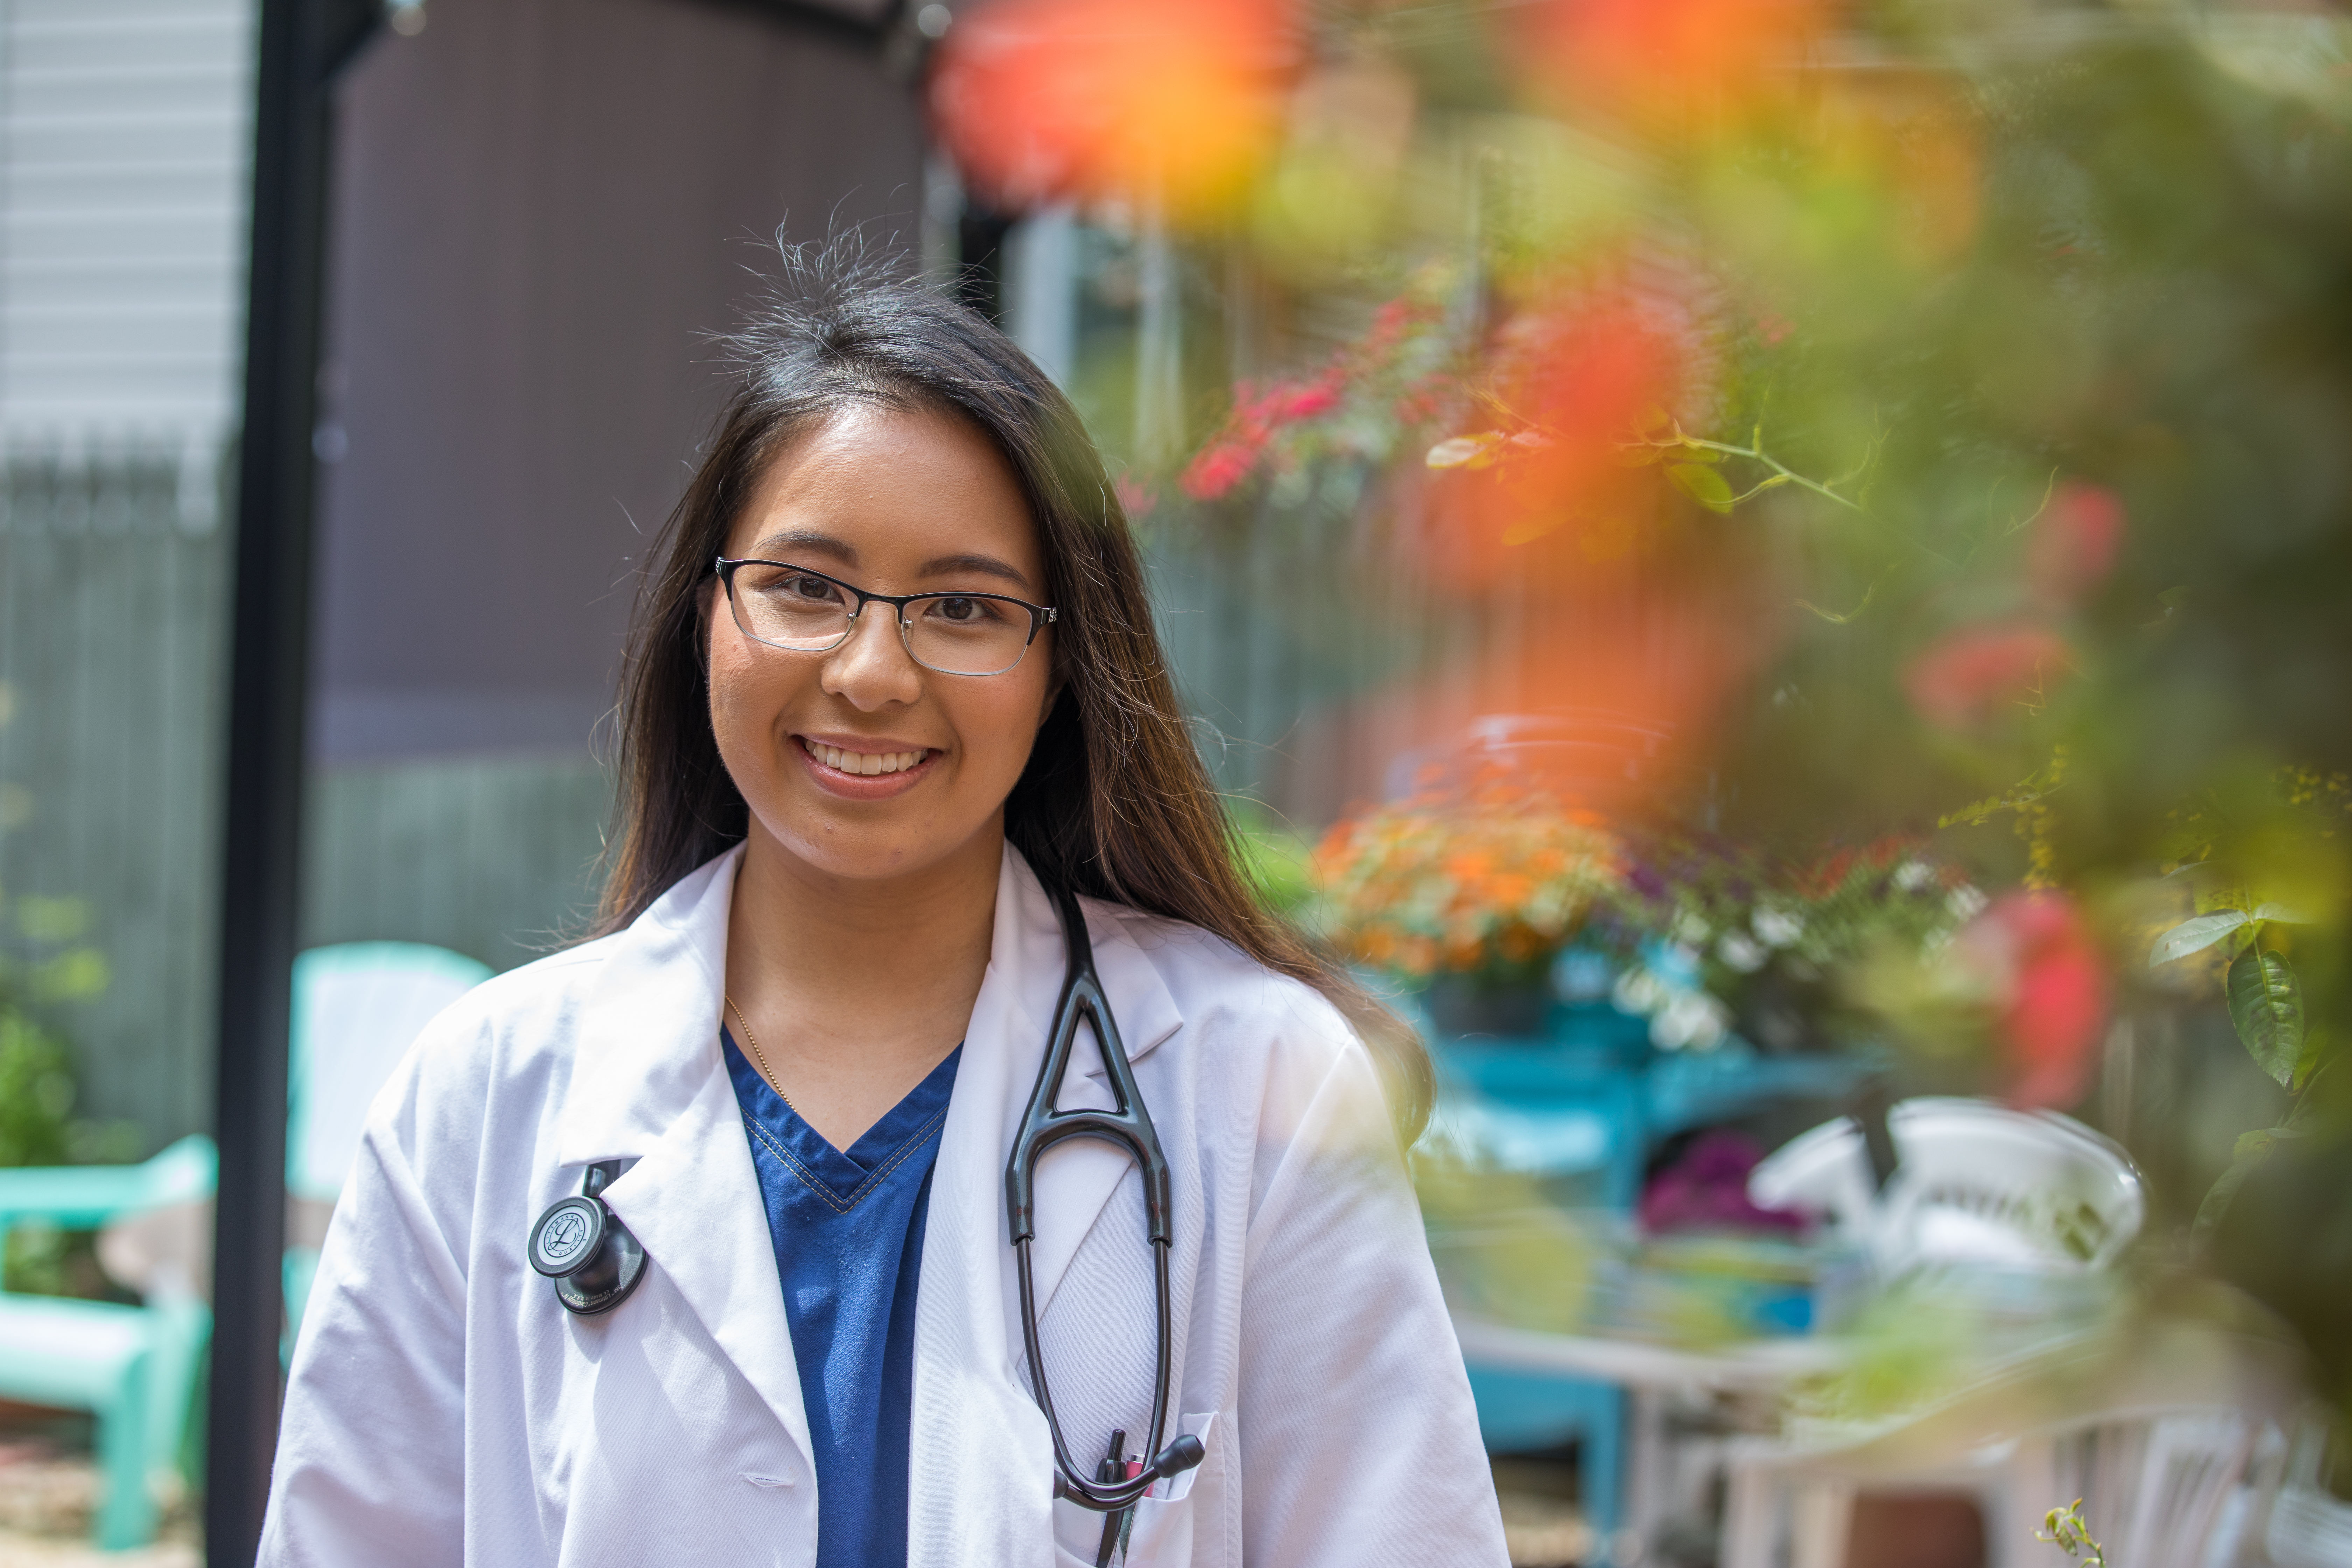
<point>1511,1008</point>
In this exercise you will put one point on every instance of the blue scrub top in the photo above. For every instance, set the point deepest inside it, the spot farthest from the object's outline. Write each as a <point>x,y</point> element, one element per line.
<point>848,1232</point>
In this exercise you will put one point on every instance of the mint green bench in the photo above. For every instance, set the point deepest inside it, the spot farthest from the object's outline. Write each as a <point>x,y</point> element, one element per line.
<point>133,1367</point>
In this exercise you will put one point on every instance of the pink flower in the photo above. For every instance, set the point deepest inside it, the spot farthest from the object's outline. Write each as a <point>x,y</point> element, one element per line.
<point>2074,542</point>
<point>1968,676</point>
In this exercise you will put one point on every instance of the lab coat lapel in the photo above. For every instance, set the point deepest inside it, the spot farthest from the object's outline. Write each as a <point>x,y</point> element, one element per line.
<point>981,1458</point>
<point>651,1086</point>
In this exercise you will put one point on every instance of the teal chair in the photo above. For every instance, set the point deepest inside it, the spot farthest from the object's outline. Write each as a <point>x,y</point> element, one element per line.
<point>133,1367</point>
<point>358,1008</point>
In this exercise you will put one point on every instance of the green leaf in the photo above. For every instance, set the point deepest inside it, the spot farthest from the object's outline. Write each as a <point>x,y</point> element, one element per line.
<point>2247,1155</point>
<point>2266,1003</point>
<point>2320,1047</point>
<point>1702,484</point>
<point>2195,935</point>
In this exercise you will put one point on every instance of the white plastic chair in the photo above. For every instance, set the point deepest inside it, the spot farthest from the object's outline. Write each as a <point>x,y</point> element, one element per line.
<point>1976,1183</point>
<point>357,1009</point>
<point>1983,1192</point>
<point>2308,1526</point>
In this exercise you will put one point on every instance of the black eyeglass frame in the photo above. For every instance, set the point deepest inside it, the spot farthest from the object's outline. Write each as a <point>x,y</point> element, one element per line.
<point>1040,616</point>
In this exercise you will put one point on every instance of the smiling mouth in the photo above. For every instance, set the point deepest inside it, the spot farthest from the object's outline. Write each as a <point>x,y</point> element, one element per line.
<point>868,764</point>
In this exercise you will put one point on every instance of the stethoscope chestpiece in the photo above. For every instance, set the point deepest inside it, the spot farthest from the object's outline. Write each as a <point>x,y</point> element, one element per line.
<point>584,1249</point>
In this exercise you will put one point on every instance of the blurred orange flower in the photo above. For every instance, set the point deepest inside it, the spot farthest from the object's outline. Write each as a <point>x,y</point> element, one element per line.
<point>1102,98</point>
<point>1583,377</point>
<point>1657,55</point>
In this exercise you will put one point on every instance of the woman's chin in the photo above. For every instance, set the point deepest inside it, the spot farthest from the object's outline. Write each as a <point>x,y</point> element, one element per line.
<point>848,848</point>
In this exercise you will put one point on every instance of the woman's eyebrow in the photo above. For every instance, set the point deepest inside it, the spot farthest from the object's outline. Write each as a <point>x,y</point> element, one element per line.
<point>807,539</point>
<point>987,566</point>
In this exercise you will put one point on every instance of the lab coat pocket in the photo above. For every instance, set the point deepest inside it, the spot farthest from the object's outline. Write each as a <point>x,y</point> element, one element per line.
<point>1186,1525</point>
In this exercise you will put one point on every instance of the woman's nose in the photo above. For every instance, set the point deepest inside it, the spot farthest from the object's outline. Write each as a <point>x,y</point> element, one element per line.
<point>872,668</point>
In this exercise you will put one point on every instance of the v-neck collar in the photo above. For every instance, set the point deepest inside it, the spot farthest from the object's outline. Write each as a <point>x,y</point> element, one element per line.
<point>840,1177</point>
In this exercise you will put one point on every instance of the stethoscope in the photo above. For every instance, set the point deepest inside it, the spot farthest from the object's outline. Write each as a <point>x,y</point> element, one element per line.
<point>581,1244</point>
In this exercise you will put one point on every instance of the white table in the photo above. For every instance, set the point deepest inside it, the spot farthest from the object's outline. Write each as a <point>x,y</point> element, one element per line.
<point>1650,1373</point>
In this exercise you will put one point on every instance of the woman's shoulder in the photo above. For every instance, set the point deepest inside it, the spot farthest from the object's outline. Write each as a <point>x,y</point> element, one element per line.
<point>510,1023</point>
<point>1221,989</point>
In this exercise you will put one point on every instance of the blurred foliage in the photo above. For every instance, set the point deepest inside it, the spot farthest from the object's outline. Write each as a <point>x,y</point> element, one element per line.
<point>1276,861</point>
<point>44,961</point>
<point>2064,1529</point>
<point>1506,1250</point>
<point>36,1091</point>
<point>1960,391</point>
<point>1788,947</point>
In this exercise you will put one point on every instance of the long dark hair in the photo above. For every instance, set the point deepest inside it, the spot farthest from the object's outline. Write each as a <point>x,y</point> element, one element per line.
<point>1115,803</point>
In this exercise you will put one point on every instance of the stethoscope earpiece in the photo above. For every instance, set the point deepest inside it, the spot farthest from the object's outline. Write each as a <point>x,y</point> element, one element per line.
<point>586,1249</point>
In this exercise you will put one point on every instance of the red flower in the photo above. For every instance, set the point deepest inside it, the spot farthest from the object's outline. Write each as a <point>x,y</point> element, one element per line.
<point>1971,674</point>
<point>1306,401</point>
<point>2074,542</point>
<point>2049,981</point>
<point>1218,471</point>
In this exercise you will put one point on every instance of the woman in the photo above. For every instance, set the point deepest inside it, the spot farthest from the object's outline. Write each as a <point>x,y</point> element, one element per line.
<point>806,1042</point>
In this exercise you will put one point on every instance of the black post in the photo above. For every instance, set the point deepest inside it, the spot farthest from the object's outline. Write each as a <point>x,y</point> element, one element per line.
<point>302,42</point>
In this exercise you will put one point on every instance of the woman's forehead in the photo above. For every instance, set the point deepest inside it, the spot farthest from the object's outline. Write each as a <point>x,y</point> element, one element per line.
<point>908,492</point>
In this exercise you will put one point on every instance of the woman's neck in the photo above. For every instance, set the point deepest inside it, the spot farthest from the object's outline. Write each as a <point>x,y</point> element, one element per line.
<point>853,990</point>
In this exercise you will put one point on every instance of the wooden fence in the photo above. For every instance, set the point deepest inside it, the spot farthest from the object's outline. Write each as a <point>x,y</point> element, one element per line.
<point>112,617</point>
<point>110,658</point>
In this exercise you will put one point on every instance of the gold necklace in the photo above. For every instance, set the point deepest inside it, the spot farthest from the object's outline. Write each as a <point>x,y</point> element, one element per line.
<point>765,1070</point>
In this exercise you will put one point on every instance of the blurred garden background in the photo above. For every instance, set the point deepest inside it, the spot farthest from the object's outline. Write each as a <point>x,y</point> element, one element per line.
<point>1773,571</point>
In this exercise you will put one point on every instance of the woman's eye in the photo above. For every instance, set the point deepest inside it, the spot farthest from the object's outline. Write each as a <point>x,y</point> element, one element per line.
<point>965,612</point>
<point>805,587</point>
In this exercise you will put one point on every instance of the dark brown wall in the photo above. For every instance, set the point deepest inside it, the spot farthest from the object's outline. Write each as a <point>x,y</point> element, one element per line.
<point>540,208</point>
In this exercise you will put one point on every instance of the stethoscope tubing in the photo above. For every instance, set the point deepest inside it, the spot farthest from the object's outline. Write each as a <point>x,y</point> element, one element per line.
<point>1126,1126</point>
<point>1103,1496</point>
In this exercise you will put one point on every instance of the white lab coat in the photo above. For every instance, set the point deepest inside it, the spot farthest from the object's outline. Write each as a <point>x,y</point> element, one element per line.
<point>442,1407</point>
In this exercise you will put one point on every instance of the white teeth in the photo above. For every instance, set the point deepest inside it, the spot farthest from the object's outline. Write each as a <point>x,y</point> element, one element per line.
<point>867,764</point>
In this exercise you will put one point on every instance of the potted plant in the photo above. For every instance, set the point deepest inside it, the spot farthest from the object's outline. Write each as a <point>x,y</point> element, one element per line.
<point>1470,895</point>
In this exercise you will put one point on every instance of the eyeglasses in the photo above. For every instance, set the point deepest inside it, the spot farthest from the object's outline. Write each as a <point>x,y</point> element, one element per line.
<point>793,607</point>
